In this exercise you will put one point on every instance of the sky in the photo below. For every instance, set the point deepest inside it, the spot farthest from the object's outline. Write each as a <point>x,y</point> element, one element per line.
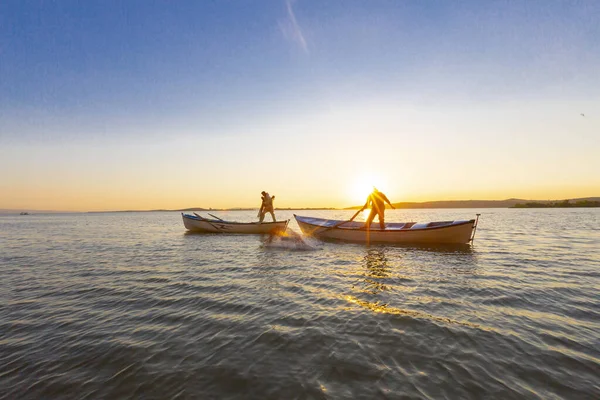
<point>145,104</point>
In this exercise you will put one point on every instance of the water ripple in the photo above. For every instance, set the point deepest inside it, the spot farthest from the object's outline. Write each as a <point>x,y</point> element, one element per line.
<point>127,305</point>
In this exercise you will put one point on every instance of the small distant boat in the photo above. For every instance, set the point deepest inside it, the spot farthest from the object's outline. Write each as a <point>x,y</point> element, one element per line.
<point>197,223</point>
<point>24,213</point>
<point>441,232</point>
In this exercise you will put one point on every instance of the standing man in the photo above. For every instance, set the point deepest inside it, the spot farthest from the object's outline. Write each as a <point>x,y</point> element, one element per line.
<point>377,200</point>
<point>266,206</point>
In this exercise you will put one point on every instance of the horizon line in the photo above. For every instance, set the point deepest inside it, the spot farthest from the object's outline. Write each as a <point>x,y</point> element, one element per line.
<point>404,204</point>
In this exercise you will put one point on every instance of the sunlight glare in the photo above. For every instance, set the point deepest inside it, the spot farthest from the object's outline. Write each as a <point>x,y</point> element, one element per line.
<point>363,185</point>
<point>365,214</point>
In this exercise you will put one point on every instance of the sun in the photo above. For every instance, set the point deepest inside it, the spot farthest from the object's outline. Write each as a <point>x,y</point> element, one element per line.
<point>363,185</point>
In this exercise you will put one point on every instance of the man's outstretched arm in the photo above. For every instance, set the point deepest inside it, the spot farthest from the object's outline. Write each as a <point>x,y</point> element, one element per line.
<point>388,201</point>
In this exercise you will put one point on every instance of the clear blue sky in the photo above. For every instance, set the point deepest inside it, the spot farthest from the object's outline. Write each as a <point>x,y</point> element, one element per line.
<point>109,104</point>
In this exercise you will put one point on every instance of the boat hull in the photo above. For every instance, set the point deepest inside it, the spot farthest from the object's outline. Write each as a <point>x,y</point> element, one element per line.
<point>197,224</point>
<point>449,232</point>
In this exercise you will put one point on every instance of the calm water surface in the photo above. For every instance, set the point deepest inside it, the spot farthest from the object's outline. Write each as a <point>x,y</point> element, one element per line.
<point>127,305</point>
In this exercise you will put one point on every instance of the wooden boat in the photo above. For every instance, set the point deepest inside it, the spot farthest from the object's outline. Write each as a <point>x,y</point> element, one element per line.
<point>198,223</point>
<point>442,232</point>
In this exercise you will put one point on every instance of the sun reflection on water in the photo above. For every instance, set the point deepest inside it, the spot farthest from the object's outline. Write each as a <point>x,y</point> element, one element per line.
<point>376,270</point>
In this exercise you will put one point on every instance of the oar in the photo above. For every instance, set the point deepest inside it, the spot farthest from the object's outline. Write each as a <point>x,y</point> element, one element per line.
<point>205,220</point>
<point>214,216</point>
<point>343,222</point>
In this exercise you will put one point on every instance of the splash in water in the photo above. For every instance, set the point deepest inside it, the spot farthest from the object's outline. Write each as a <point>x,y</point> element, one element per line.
<point>288,240</point>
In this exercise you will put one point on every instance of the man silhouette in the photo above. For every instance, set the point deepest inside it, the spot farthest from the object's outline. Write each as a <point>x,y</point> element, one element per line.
<point>377,201</point>
<point>266,206</point>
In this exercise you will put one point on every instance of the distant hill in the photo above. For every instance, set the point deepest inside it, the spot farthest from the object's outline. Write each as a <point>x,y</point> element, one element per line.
<point>508,203</point>
<point>574,203</point>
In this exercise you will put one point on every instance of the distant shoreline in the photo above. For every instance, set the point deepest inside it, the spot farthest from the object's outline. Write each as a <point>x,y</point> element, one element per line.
<point>561,204</point>
<point>218,209</point>
<point>508,203</point>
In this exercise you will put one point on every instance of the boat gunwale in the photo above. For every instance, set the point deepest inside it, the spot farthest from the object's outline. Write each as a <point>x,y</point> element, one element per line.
<point>194,218</point>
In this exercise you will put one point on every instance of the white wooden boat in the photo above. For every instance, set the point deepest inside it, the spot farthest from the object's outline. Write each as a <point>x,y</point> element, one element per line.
<point>442,232</point>
<point>198,223</point>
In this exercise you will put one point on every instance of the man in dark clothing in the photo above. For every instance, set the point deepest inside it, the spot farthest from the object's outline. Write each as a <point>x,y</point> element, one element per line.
<point>377,201</point>
<point>266,206</point>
